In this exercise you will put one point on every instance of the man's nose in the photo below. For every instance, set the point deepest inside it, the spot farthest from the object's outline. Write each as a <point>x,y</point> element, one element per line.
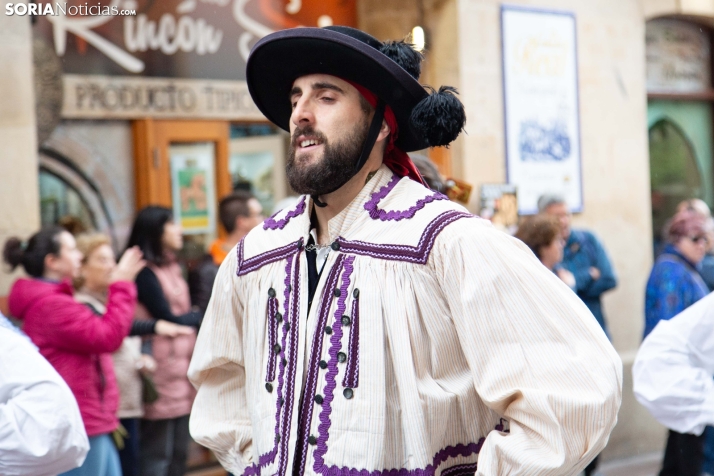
<point>302,112</point>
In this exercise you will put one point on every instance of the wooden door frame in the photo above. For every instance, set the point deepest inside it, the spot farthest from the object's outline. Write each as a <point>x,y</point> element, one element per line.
<point>152,167</point>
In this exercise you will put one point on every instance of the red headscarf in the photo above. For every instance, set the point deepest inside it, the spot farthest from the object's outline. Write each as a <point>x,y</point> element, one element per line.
<point>394,158</point>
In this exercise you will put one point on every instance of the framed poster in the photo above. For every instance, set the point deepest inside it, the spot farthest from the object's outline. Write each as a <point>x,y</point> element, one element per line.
<point>540,95</point>
<point>193,186</point>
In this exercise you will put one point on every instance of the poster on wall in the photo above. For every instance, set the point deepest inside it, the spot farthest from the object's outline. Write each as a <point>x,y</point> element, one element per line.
<point>192,186</point>
<point>540,75</point>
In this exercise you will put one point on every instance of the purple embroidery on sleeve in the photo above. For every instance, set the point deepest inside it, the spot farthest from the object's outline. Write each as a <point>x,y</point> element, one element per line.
<point>249,265</point>
<point>396,215</point>
<point>313,369</point>
<point>351,378</point>
<point>271,224</point>
<point>272,337</point>
<point>414,254</point>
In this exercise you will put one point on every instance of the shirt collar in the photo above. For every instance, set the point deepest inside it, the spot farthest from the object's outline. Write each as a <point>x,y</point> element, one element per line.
<point>339,224</point>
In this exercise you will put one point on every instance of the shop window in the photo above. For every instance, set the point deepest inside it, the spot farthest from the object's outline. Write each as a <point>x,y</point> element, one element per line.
<point>62,203</point>
<point>257,162</point>
<point>674,173</point>
<point>680,110</point>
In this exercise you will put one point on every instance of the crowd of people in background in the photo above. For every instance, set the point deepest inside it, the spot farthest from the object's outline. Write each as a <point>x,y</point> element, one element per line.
<point>119,334</point>
<point>117,339</point>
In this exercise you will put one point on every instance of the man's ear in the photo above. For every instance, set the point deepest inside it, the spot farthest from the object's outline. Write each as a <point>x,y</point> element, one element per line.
<point>384,131</point>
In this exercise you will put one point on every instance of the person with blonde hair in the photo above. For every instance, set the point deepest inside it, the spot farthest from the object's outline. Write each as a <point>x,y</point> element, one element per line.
<point>76,341</point>
<point>98,263</point>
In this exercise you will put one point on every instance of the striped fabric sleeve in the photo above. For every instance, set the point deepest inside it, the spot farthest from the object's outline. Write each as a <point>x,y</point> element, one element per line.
<point>538,357</point>
<point>220,419</point>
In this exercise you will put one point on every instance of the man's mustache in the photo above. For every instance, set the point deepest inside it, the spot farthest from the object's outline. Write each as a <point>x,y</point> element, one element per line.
<point>307,131</point>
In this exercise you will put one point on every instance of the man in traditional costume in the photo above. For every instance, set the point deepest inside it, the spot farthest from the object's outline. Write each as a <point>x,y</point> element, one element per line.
<point>377,328</point>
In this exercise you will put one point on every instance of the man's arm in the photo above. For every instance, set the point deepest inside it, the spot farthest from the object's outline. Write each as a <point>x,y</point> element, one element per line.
<point>674,367</point>
<point>538,357</point>
<point>607,279</point>
<point>219,418</point>
<point>41,430</point>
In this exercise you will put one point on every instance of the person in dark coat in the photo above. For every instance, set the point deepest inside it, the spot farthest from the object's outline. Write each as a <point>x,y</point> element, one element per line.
<point>584,256</point>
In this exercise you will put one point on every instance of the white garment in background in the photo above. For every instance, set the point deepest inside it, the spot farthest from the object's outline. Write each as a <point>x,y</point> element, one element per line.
<point>674,368</point>
<point>41,430</point>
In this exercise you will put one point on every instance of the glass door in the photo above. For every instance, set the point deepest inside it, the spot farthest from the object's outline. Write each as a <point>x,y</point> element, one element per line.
<point>680,145</point>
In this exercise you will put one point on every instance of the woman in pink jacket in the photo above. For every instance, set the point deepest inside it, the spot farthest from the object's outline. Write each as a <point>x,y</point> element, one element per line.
<point>71,337</point>
<point>163,294</point>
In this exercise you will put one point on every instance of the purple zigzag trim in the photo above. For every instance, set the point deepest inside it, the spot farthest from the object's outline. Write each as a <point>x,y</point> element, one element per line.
<point>269,457</point>
<point>396,215</point>
<point>257,262</point>
<point>460,469</point>
<point>413,254</point>
<point>271,224</point>
<point>330,384</point>
<point>313,368</point>
<point>324,428</point>
<point>272,337</point>
<point>352,369</point>
<point>292,321</point>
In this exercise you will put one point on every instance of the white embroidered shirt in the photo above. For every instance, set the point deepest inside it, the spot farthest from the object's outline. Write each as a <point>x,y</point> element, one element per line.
<point>435,345</point>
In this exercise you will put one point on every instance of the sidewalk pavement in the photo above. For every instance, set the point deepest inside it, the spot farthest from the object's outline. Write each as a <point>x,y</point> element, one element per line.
<point>644,465</point>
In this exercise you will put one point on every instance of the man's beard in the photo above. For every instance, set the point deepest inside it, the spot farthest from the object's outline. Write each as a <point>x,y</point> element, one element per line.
<point>336,168</point>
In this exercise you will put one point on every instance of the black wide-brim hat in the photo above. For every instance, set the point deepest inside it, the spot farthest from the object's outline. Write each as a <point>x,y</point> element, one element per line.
<point>389,70</point>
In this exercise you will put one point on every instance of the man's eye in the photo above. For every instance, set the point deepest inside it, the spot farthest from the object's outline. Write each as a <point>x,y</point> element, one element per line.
<point>328,99</point>
<point>294,104</point>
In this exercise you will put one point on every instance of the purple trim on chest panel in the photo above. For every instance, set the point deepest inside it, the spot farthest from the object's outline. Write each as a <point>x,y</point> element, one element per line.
<point>256,262</point>
<point>414,254</point>
<point>330,384</point>
<point>319,465</point>
<point>377,213</point>
<point>313,368</point>
<point>351,378</point>
<point>290,336</point>
<point>271,224</point>
<point>272,337</point>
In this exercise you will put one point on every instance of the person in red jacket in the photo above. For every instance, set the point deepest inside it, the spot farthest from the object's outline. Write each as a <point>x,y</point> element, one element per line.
<point>70,336</point>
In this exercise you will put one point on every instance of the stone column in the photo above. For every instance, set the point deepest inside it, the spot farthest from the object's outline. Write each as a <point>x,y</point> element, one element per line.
<point>19,192</point>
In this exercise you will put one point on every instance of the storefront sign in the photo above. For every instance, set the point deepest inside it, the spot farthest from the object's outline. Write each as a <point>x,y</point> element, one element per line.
<point>192,186</point>
<point>190,40</point>
<point>101,97</point>
<point>540,74</point>
<point>678,57</point>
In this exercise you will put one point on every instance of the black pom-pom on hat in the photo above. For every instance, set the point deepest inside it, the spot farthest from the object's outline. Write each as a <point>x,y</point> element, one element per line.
<point>404,55</point>
<point>440,117</point>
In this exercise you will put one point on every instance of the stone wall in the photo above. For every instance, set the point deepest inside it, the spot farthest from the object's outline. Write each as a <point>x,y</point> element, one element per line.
<point>464,50</point>
<point>615,161</point>
<point>18,160</point>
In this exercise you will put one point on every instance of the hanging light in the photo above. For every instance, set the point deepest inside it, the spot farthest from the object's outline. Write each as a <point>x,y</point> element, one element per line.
<point>418,38</point>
